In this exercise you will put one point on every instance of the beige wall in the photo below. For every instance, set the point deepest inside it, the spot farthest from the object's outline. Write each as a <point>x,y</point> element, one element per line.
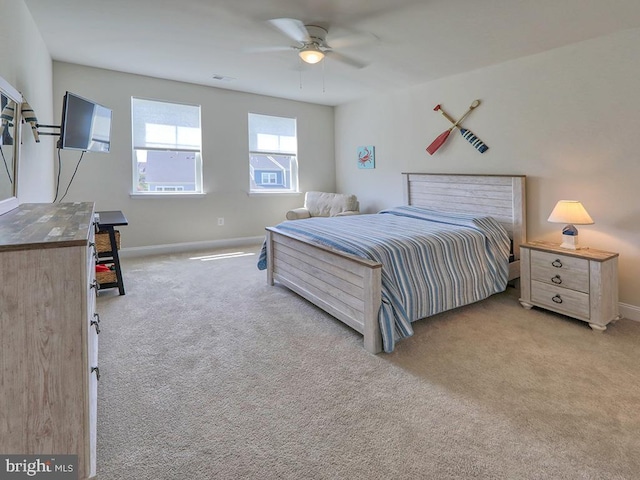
<point>106,178</point>
<point>565,118</point>
<point>26,64</point>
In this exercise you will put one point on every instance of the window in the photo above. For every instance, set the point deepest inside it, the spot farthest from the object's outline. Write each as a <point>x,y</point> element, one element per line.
<point>273,154</point>
<point>167,155</point>
<point>269,178</point>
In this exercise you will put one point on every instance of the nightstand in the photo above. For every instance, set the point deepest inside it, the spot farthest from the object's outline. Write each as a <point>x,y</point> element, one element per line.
<point>582,284</point>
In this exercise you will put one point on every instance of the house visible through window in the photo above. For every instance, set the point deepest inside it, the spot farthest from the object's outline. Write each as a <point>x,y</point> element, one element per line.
<point>273,154</point>
<point>167,156</point>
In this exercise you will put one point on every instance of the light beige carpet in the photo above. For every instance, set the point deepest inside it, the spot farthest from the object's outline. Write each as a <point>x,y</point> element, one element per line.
<point>208,373</point>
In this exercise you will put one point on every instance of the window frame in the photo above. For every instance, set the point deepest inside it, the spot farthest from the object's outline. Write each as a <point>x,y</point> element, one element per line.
<point>294,181</point>
<point>198,163</point>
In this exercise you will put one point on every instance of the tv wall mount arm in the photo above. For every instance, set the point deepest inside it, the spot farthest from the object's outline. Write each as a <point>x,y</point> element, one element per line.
<point>40,125</point>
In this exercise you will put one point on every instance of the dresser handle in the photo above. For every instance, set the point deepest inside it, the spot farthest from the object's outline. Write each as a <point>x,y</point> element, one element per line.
<point>557,299</point>
<point>97,317</point>
<point>557,263</point>
<point>95,253</point>
<point>557,280</point>
<point>97,370</point>
<point>94,323</point>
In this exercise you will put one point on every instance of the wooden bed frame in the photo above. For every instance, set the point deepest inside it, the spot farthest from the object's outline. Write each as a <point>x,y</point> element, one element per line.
<point>349,287</point>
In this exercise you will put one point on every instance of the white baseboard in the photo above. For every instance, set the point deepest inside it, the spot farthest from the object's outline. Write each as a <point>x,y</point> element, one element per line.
<point>630,312</point>
<point>188,247</point>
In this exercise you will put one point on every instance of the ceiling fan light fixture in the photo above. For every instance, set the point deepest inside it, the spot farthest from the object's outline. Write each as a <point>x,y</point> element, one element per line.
<point>311,54</point>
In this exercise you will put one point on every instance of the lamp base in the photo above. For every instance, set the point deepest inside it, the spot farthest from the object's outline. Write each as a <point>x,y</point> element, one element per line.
<point>570,242</point>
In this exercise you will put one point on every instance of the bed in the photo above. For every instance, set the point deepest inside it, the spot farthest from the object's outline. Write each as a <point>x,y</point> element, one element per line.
<point>350,287</point>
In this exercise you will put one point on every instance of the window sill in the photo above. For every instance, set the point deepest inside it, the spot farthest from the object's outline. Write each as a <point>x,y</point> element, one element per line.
<point>273,194</point>
<point>166,195</point>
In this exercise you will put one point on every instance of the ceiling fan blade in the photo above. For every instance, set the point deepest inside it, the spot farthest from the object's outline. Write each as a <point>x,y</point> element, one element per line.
<point>353,40</point>
<point>268,49</point>
<point>346,59</point>
<point>292,28</point>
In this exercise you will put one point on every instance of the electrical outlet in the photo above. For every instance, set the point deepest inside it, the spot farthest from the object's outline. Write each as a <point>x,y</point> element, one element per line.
<point>220,221</point>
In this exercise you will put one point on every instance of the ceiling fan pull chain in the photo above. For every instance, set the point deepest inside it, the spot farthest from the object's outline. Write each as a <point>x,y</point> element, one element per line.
<point>323,77</point>
<point>300,71</point>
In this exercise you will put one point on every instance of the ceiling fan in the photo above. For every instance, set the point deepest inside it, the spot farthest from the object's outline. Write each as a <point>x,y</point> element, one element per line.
<point>312,45</point>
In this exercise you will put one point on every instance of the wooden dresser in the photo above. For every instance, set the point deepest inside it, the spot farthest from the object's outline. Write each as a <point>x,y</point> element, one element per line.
<point>49,332</point>
<point>579,283</point>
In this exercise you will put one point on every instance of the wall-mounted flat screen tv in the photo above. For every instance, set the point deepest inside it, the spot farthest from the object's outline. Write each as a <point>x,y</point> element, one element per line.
<point>86,125</point>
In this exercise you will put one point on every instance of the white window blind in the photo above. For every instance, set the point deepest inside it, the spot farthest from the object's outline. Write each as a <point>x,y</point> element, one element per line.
<point>268,134</point>
<point>165,126</point>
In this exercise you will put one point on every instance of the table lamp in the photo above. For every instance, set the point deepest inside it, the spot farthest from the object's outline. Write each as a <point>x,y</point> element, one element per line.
<point>572,213</point>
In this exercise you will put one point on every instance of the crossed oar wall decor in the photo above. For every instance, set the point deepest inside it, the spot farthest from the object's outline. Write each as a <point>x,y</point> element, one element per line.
<point>466,134</point>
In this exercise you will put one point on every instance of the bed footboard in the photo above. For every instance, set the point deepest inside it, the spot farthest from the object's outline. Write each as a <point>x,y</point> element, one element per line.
<point>345,286</point>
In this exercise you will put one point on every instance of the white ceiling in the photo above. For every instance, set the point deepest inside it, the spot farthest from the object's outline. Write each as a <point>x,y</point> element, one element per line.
<point>417,40</point>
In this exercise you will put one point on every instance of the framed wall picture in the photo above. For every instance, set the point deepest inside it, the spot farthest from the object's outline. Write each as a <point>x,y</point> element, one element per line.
<point>367,156</point>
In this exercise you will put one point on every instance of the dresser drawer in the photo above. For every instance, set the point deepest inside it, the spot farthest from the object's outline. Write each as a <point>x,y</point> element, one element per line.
<point>560,299</point>
<point>560,270</point>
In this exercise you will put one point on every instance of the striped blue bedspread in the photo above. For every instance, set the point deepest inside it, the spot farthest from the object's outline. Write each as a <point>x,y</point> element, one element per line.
<point>431,261</point>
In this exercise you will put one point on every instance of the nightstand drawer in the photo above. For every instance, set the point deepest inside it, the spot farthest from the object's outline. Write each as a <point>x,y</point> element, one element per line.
<point>560,299</point>
<point>560,270</point>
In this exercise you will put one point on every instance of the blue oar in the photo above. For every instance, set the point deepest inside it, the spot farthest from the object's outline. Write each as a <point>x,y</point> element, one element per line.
<point>473,140</point>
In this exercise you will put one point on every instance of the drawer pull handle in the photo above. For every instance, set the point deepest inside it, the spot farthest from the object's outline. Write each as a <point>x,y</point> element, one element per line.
<point>97,317</point>
<point>97,370</point>
<point>557,299</point>
<point>557,263</point>
<point>557,280</point>
<point>95,324</point>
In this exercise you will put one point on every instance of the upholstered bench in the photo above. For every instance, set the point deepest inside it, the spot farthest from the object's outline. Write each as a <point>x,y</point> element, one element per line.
<point>324,204</point>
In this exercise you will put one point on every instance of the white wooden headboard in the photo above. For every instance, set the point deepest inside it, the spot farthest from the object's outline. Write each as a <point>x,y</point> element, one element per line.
<point>499,196</point>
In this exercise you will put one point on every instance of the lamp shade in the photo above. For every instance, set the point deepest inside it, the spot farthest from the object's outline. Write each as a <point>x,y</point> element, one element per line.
<point>311,54</point>
<point>571,212</point>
